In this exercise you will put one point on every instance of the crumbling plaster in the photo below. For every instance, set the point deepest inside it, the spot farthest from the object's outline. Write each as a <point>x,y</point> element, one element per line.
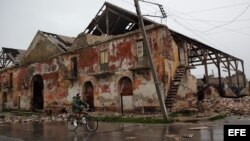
<point>40,48</point>
<point>186,96</point>
<point>122,57</point>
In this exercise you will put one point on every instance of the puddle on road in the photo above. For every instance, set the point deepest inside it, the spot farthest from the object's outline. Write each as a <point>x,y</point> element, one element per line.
<point>51,131</point>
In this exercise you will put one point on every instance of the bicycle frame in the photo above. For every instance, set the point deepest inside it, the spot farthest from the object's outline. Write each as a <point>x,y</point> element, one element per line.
<point>91,122</point>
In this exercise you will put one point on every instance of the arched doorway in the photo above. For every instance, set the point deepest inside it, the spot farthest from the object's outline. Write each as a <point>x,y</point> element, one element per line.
<point>126,94</point>
<point>88,93</point>
<point>4,101</point>
<point>37,101</point>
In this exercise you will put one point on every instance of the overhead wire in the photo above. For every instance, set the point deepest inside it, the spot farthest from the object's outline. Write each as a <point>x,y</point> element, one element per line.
<point>197,33</point>
<point>151,8</point>
<point>131,3</point>
<point>215,21</point>
<point>231,30</point>
<point>207,22</point>
<point>212,9</point>
<point>192,31</point>
<point>242,33</point>
<point>235,18</point>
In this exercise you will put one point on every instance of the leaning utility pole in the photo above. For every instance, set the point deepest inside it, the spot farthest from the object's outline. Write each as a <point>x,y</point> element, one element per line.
<point>148,50</point>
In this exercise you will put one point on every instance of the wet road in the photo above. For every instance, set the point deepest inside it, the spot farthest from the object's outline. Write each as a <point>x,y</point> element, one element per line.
<point>53,131</point>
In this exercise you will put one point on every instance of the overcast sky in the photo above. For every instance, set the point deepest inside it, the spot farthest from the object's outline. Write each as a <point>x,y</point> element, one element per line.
<point>222,24</point>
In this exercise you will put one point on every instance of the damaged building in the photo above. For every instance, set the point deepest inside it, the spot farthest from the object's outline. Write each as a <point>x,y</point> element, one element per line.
<point>108,65</point>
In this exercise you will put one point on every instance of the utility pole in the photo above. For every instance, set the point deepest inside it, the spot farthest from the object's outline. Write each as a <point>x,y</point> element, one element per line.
<point>148,50</point>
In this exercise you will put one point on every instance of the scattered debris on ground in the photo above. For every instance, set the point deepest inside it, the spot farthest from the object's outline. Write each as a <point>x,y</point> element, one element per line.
<point>238,106</point>
<point>198,128</point>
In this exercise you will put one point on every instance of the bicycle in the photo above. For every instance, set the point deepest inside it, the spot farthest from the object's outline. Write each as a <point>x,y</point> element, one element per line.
<point>90,122</point>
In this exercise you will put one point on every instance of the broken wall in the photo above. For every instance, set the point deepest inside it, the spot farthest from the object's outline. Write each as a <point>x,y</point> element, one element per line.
<point>186,96</point>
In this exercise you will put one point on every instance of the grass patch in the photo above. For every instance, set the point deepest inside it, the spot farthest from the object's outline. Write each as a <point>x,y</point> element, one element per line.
<point>133,119</point>
<point>24,113</point>
<point>217,117</point>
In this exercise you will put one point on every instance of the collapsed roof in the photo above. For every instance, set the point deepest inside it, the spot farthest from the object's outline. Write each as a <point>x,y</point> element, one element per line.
<point>57,44</point>
<point>113,20</point>
<point>61,41</point>
<point>10,56</point>
<point>45,45</point>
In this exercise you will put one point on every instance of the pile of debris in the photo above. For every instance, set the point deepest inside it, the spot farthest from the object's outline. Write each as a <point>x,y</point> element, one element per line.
<point>239,106</point>
<point>13,119</point>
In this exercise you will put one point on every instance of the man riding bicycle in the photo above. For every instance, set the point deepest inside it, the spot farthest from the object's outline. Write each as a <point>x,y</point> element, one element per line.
<point>78,106</point>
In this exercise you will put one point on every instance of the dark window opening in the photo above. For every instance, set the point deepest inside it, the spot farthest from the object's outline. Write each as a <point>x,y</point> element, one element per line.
<point>74,67</point>
<point>11,80</point>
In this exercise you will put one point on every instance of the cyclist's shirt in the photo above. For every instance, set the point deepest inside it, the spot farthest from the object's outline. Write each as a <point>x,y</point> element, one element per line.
<point>76,105</point>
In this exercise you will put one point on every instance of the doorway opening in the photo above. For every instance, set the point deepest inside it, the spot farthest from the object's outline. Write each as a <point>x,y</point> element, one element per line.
<point>88,94</point>
<point>4,101</point>
<point>38,102</point>
<point>126,94</point>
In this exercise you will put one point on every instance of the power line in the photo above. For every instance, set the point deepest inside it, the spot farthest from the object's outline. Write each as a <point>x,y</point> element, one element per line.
<point>132,4</point>
<point>238,32</point>
<point>231,20</point>
<point>150,10</point>
<point>164,15</point>
<point>210,9</point>
<point>194,29</point>
<point>231,30</point>
<point>199,35</point>
<point>190,29</point>
<point>217,42</point>
<point>216,21</point>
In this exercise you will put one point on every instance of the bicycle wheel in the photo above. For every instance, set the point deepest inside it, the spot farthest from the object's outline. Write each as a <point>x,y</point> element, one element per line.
<point>70,124</point>
<point>91,123</point>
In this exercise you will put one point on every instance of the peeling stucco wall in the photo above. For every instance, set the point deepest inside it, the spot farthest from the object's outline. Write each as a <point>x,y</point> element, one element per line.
<point>59,89</point>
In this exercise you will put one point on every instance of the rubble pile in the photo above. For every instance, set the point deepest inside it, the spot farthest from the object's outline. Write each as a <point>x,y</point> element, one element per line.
<point>238,106</point>
<point>12,119</point>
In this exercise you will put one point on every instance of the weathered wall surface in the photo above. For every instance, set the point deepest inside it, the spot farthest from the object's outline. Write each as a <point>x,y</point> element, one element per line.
<point>55,88</point>
<point>186,96</point>
<point>40,48</point>
<point>59,88</point>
